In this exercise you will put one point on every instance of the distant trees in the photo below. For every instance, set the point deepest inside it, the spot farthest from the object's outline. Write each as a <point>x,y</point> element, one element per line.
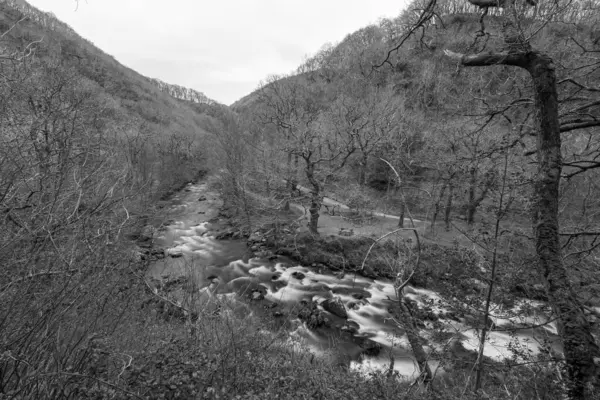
<point>368,114</point>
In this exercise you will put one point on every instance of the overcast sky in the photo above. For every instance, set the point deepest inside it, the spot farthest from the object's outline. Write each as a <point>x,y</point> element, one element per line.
<point>223,48</point>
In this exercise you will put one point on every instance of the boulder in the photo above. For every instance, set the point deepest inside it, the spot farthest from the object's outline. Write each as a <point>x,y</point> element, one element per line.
<point>336,307</point>
<point>174,252</point>
<point>361,295</point>
<point>298,275</point>
<point>370,347</point>
<point>350,327</point>
<point>312,316</point>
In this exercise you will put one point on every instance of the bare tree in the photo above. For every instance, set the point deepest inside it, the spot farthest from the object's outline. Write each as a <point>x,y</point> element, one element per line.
<point>300,108</point>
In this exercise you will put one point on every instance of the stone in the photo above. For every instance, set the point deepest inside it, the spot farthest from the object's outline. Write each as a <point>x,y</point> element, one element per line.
<point>257,295</point>
<point>371,347</point>
<point>361,295</point>
<point>346,232</point>
<point>350,327</point>
<point>311,315</point>
<point>298,275</point>
<point>174,252</point>
<point>336,307</point>
<point>157,252</point>
<point>248,287</point>
<point>202,198</point>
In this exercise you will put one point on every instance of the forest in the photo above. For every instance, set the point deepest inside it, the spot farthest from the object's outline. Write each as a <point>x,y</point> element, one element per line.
<point>413,213</point>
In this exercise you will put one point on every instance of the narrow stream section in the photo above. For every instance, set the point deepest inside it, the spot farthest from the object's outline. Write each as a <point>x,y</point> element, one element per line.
<point>345,317</point>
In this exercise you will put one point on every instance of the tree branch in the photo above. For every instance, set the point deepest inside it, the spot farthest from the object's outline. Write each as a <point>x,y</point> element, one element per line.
<point>579,125</point>
<point>489,58</point>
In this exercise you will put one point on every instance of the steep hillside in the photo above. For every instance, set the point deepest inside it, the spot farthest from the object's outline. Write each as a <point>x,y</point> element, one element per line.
<point>142,98</point>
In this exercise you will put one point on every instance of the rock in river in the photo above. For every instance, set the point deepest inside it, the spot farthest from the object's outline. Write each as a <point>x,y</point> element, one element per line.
<point>298,275</point>
<point>336,307</point>
<point>174,252</point>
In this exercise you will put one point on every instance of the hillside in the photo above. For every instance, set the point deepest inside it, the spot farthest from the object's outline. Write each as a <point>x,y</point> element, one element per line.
<point>142,98</point>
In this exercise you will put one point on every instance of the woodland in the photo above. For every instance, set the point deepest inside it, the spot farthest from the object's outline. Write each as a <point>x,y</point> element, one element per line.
<point>453,148</point>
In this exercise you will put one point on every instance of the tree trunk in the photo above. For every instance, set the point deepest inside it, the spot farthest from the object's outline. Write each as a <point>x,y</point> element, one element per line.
<point>297,174</point>
<point>315,200</point>
<point>436,209</point>
<point>397,194</point>
<point>448,210</point>
<point>472,206</point>
<point>290,175</point>
<point>579,345</point>
<point>402,212</point>
<point>412,334</point>
<point>362,174</point>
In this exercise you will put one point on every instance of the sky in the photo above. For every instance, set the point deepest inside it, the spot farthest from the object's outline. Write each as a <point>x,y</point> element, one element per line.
<point>223,48</point>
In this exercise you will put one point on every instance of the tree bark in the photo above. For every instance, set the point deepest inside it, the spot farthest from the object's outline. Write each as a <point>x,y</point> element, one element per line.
<point>401,216</point>
<point>362,177</point>
<point>448,210</point>
<point>397,194</point>
<point>315,200</point>
<point>412,334</point>
<point>436,209</point>
<point>472,206</point>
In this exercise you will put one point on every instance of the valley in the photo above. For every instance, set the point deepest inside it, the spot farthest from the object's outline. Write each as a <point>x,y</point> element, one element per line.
<point>412,212</point>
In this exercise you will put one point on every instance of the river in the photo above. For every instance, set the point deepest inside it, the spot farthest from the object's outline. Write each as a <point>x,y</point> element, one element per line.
<point>365,336</point>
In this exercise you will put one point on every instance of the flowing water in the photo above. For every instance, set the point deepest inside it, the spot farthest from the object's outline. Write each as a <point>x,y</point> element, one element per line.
<point>368,337</point>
